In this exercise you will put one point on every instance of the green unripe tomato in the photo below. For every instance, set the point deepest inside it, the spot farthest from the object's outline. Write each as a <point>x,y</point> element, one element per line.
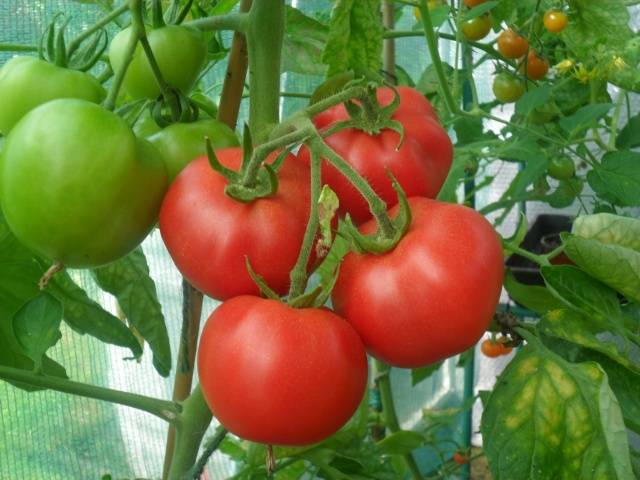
<point>26,82</point>
<point>77,186</point>
<point>182,142</point>
<point>477,28</point>
<point>181,52</point>
<point>506,88</point>
<point>561,168</point>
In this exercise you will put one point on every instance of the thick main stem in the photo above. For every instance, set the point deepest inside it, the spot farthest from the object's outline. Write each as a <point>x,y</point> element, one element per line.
<point>389,412</point>
<point>163,409</point>
<point>265,31</point>
<point>191,314</point>
<point>389,45</point>
<point>191,428</point>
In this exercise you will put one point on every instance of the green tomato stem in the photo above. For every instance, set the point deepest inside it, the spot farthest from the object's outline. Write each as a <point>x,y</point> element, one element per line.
<point>615,119</point>
<point>167,411</point>
<point>191,427</point>
<point>265,32</point>
<point>389,412</point>
<point>432,44</point>
<point>16,47</point>
<point>377,206</point>
<point>209,448</point>
<point>232,21</point>
<point>110,17</point>
<point>299,274</point>
<point>542,260</point>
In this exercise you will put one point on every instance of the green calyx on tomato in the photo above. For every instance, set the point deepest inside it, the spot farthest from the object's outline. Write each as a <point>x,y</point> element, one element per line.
<point>27,82</point>
<point>278,375</point>
<point>561,168</point>
<point>180,143</point>
<point>77,186</point>
<point>512,45</point>
<point>477,28</point>
<point>507,88</point>
<point>449,265</point>
<point>181,53</point>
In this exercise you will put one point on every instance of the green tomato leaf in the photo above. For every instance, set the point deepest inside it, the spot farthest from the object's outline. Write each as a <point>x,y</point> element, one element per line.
<point>610,229</point>
<point>614,265</point>
<point>548,418</point>
<point>355,37</point>
<point>623,71</point>
<point>537,299</point>
<point>400,443</point>
<point>303,43</point>
<point>601,335</point>
<point>533,99</point>
<point>565,194</point>
<point>597,28</point>
<point>129,281</point>
<point>328,204</point>
<point>479,10</point>
<point>86,316</point>
<point>584,117</point>
<point>617,178</point>
<point>422,373</point>
<point>582,292</point>
<point>19,275</point>
<point>37,326</point>
<point>629,136</point>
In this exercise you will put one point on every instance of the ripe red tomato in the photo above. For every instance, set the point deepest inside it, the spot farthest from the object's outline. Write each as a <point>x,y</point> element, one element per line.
<point>477,28</point>
<point>278,375</point>
<point>536,67</point>
<point>512,45</point>
<point>208,234</point>
<point>432,296</point>
<point>555,21</point>
<point>421,165</point>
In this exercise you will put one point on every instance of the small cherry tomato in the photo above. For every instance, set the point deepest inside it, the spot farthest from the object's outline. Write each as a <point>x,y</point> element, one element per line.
<point>561,168</point>
<point>491,348</point>
<point>555,21</point>
<point>512,45</point>
<point>507,88</point>
<point>461,458</point>
<point>473,3</point>
<point>477,28</point>
<point>432,5</point>
<point>535,67</point>
<point>505,350</point>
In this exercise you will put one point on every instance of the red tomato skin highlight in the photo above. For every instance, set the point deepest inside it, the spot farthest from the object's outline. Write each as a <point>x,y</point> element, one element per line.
<point>420,166</point>
<point>277,375</point>
<point>431,297</point>
<point>208,233</point>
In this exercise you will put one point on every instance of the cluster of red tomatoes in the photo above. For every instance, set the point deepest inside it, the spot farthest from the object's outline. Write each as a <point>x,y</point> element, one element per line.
<point>275,374</point>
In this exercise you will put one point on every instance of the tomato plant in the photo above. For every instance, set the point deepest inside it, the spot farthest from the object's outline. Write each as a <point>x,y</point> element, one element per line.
<point>507,88</point>
<point>180,52</point>
<point>477,28</point>
<point>180,143</point>
<point>60,179</point>
<point>420,164</point>
<point>22,85</point>
<point>312,349</point>
<point>209,234</point>
<point>449,265</point>
<point>512,45</point>
<point>555,21</point>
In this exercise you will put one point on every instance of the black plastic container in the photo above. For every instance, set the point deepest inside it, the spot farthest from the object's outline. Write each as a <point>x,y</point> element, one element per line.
<point>538,240</point>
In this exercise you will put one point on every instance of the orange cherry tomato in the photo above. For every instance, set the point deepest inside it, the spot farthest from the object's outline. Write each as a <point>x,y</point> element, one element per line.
<point>473,3</point>
<point>535,67</point>
<point>505,349</point>
<point>555,21</point>
<point>512,45</point>
<point>491,348</point>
